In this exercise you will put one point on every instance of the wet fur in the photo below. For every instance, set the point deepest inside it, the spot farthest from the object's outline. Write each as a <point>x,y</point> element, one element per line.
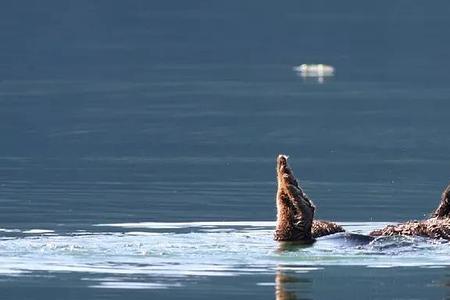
<point>438,226</point>
<point>295,214</point>
<point>295,210</point>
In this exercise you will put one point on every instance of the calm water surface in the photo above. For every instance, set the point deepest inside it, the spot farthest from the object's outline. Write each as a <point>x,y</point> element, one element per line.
<point>117,118</point>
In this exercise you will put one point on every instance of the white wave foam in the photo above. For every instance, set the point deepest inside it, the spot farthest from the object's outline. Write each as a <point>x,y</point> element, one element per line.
<point>174,225</point>
<point>9,230</point>
<point>38,231</point>
<point>244,247</point>
<point>133,285</point>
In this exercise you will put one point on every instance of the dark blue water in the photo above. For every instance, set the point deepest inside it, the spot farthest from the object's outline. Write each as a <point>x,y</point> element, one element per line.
<point>174,111</point>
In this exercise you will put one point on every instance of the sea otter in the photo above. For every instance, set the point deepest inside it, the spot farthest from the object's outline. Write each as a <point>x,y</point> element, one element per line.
<point>438,226</point>
<point>295,214</point>
<point>295,211</point>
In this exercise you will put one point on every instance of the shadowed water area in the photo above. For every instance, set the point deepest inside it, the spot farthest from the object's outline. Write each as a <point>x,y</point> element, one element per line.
<point>139,141</point>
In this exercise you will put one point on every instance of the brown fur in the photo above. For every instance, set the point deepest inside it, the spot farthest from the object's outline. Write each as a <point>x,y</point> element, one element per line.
<point>433,228</point>
<point>295,211</point>
<point>436,227</point>
<point>295,214</point>
<point>443,210</point>
<point>322,228</point>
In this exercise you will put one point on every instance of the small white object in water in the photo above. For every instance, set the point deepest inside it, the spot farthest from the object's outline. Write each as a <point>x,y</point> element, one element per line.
<point>314,70</point>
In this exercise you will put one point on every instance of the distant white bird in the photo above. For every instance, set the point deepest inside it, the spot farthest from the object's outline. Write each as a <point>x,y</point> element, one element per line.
<point>314,70</point>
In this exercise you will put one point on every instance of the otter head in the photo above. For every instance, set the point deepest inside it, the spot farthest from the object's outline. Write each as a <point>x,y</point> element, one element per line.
<point>443,210</point>
<point>446,193</point>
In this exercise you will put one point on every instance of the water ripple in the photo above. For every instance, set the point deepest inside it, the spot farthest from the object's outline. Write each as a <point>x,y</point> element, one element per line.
<point>177,250</point>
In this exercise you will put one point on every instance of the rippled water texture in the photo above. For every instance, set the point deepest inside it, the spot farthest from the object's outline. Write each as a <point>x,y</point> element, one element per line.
<point>135,113</point>
<point>175,255</point>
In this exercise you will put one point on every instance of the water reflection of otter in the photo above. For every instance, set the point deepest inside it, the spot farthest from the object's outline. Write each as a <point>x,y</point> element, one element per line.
<point>282,282</point>
<point>295,215</point>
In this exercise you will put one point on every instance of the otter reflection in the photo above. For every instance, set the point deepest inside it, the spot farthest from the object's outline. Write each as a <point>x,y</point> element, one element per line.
<point>295,214</point>
<point>287,284</point>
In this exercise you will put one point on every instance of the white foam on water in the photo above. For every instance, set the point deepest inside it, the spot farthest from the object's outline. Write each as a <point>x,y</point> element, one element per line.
<point>38,231</point>
<point>266,283</point>
<point>9,230</point>
<point>132,285</point>
<point>170,225</point>
<point>176,250</point>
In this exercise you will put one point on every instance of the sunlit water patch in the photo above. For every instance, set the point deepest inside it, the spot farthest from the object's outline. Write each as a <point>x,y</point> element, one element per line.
<point>120,255</point>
